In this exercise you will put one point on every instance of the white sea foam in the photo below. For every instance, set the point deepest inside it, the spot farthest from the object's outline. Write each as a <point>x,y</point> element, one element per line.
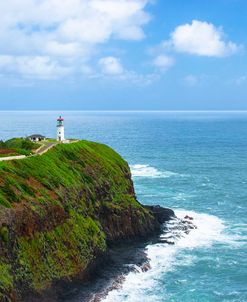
<point>164,258</point>
<point>148,171</point>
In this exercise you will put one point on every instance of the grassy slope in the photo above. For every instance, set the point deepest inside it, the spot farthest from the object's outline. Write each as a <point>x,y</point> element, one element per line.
<point>61,192</point>
<point>17,146</point>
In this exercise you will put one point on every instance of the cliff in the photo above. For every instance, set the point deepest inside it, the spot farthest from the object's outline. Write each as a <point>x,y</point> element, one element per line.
<point>60,211</point>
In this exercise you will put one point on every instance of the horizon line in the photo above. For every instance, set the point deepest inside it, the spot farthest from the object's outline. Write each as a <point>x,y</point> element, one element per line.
<point>117,110</point>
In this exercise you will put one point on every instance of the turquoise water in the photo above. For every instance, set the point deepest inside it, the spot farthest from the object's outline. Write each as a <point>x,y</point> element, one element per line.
<point>195,163</point>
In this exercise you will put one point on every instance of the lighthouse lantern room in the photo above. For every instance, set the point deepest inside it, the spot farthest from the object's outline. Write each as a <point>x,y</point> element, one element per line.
<point>60,129</point>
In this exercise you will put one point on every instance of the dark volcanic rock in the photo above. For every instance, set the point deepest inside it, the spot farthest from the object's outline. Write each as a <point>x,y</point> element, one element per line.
<point>161,214</point>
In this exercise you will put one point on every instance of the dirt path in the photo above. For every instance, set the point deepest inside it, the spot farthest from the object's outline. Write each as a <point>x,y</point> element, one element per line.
<point>12,157</point>
<point>41,150</point>
<point>44,148</point>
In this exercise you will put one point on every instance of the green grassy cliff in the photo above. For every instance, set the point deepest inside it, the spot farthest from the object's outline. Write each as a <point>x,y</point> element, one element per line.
<point>58,213</point>
<point>17,146</point>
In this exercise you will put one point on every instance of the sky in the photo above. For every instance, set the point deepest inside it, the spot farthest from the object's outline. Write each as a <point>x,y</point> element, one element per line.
<point>123,55</point>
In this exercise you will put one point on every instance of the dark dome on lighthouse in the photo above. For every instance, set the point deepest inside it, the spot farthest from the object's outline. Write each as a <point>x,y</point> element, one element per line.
<point>60,119</point>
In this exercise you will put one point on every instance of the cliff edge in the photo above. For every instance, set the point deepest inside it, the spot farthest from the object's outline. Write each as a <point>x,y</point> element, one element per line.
<point>60,211</point>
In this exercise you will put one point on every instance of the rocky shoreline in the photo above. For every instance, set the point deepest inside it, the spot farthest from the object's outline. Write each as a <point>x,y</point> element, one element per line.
<point>126,257</point>
<point>107,271</point>
<point>108,275</point>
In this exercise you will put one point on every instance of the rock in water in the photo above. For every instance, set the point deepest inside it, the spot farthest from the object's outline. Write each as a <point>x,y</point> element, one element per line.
<point>161,214</point>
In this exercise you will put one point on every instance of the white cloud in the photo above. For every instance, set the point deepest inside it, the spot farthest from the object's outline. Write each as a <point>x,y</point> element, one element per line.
<point>111,66</point>
<point>202,39</point>
<point>140,79</point>
<point>66,32</point>
<point>163,62</point>
<point>55,48</point>
<point>191,80</point>
<point>37,67</point>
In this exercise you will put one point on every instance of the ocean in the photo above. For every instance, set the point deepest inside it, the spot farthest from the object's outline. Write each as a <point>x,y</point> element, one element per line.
<point>192,162</point>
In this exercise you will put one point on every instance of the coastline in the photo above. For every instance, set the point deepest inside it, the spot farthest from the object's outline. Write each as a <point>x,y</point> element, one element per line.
<point>108,270</point>
<point>108,273</point>
<point>121,260</point>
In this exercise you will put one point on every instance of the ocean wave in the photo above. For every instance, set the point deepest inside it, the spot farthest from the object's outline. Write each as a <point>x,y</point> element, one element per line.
<point>148,171</point>
<point>140,286</point>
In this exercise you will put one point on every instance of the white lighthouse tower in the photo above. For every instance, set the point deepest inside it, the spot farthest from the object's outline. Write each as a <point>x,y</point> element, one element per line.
<point>60,129</point>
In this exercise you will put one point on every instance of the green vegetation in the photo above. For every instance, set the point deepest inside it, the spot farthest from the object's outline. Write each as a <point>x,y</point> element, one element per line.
<point>66,166</point>
<point>50,140</point>
<point>6,281</point>
<point>57,199</point>
<point>17,146</point>
<point>4,234</point>
<point>83,237</point>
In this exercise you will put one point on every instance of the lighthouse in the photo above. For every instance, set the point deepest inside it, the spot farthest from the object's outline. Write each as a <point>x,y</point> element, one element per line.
<point>60,129</point>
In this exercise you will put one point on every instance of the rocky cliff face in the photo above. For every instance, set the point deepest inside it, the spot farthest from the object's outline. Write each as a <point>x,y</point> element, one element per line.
<point>59,212</point>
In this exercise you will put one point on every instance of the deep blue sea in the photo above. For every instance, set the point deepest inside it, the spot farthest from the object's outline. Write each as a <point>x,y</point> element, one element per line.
<point>193,162</point>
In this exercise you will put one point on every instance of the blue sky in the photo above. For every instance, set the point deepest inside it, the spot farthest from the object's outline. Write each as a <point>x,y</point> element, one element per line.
<point>123,55</point>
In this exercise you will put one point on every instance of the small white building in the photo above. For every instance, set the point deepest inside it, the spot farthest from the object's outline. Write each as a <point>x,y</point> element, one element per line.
<point>36,138</point>
<point>60,129</point>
